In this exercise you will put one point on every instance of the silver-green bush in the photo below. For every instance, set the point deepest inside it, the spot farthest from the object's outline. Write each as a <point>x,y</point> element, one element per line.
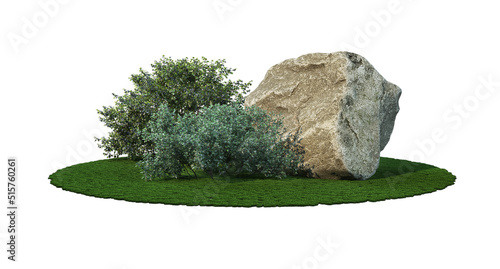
<point>221,139</point>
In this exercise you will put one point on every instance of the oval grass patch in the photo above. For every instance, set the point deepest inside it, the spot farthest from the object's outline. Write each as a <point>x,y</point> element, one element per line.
<point>121,179</point>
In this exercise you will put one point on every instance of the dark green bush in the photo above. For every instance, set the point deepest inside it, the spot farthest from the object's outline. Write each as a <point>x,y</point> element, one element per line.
<point>185,85</point>
<point>130,114</point>
<point>221,139</point>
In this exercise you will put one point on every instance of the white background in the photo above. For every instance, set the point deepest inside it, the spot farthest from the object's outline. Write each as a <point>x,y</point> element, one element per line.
<point>58,71</point>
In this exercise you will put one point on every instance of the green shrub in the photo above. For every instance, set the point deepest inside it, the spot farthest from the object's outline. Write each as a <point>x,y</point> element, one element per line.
<point>221,139</point>
<point>185,85</point>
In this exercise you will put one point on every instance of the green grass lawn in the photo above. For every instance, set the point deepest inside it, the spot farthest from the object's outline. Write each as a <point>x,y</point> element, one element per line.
<point>121,179</point>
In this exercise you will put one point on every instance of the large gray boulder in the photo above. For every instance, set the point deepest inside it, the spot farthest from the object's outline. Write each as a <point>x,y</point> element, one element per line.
<point>344,108</point>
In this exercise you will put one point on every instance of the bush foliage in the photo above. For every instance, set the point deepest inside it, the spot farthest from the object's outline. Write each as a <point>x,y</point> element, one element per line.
<point>221,139</point>
<point>185,85</point>
<point>173,145</point>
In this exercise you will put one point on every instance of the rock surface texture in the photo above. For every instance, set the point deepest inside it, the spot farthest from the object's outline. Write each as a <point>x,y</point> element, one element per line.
<point>344,108</point>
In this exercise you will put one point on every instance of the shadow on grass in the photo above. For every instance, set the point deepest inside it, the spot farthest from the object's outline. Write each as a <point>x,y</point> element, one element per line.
<point>395,167</point>
<point>387,168</point>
